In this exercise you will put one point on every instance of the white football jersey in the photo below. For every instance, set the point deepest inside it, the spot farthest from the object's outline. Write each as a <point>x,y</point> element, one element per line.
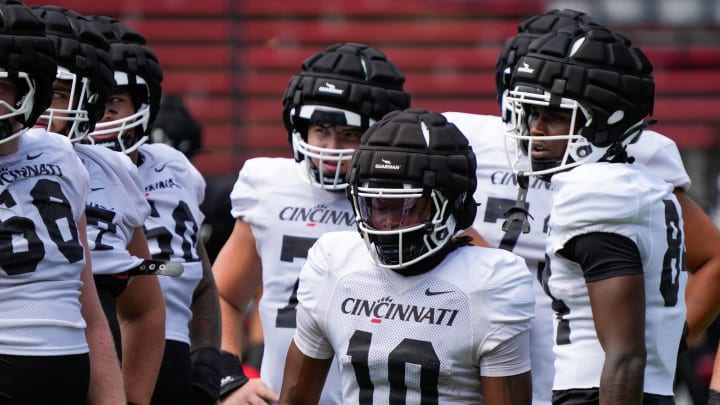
<point>497,192</point>
<point>115,207</point>
<point>418,339</point>
<point>174,188</point>
<point>286,215</point>
<point>619,199</point>
<point>43,188</point>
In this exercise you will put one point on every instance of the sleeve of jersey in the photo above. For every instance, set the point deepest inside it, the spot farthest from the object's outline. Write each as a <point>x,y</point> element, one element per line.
<point>246,191</point>
<point>664,159</point>
<point>504,315</point>
<point>136,193</point>
<point>80,181</point>
<point>310,337</point>
<point>583,205</point>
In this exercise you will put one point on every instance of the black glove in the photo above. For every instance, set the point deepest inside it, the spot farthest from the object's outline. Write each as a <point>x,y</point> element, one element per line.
<point>205,363</point>
<point>233,376</point>
<point>713,397</point>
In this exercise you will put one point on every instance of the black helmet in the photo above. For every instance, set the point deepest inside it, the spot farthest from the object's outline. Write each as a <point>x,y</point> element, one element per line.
<point>409,156</point>
<point>84,60</point>
<point>28,58</point>
<point>346,84</point>
<point>600,77</point>
<point>528,31</point>
<point>136,66</point>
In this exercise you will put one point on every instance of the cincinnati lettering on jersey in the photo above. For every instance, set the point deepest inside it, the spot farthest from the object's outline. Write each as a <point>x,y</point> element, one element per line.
<point>162,184</point>
<point>318,214</point>
<point>8,176</point>
<point>384,308</point>
<point>508,178</point>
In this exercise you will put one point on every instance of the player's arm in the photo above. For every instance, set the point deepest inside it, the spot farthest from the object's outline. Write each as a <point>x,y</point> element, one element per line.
<point>511,390</point>
<point>304,377</point>
<point>702,238</point>
<point>141,313</point>
<point>612,267</point>
<point>106,384</point>
<point>238,275</point>
<point>205,335</point>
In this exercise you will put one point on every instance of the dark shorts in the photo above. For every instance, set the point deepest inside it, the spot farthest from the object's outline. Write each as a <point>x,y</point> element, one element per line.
<point>44,379</point>
<point>591,397</point>
<point>174,384</point>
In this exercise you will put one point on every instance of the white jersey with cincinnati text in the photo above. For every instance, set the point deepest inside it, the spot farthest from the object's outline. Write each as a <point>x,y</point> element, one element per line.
<point>115,207</point>
<point>628,201</point>
<point>43,188</point>
<point>286,215</point>
<point>174,188</point>
<point>418,339</point>
<point>497,192</point>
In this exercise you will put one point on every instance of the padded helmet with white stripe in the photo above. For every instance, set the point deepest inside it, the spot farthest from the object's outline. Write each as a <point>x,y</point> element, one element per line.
<point>345,84</point>
<point>597,75</point>
<point>517,46</point>
<point>137,68</point>
<point>411,186</point>
<point>84,61</point>
<point>27,58</point>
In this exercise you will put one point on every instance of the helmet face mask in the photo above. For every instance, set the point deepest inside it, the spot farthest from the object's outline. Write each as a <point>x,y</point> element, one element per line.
<point>20,110</point>
<point>402,226</point>
<point>316,159</point>
<point>524,104</point>
<point>72,118</point>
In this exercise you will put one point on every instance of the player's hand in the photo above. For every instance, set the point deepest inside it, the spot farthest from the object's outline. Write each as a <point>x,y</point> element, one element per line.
<point>254,392</point>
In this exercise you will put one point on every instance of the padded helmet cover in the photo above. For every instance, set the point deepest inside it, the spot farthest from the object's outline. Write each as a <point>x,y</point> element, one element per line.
<point>419,147</point>
<point>600,70</point>
<point>352,77</point>
<point>25,48</point>
<point>83,51</point>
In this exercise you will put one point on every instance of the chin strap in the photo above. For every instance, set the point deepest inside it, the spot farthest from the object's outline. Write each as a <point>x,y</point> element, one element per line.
<point>519,212</point>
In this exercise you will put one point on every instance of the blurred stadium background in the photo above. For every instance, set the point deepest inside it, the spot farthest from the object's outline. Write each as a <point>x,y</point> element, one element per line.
<point>230,61</point>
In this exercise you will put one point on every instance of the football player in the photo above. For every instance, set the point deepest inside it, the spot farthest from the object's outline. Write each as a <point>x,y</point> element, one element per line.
<point>412,314</point>
<point>497,192</point>
<point>174,189</point>
<point>615,251</point>
<point>282,205</point>
<point>55,344</point>
<point>114,225</point>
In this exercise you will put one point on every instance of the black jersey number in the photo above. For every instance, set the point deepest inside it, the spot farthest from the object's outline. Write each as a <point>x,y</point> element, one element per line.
<point>19,241</point>
<point>103,221</point>
<point>292,247</point>
<point>673,264</point>
<point>495,210</point>
<point>674,261</point>
<point>408,351</point>
<point>185,228</point>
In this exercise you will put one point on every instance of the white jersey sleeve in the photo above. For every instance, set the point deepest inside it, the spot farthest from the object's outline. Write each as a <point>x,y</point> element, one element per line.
<point>43,189</point>
<point>448,325</point>
<point>116,206</point>
<point>174,188</point>
<point>660,155</point>
<point>619,199</point>
<point>286,215</point>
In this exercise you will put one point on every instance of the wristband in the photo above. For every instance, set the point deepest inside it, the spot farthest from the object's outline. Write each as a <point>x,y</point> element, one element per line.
<point>713,397</point>
<point>206,373</point>
<point>233,374</point>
